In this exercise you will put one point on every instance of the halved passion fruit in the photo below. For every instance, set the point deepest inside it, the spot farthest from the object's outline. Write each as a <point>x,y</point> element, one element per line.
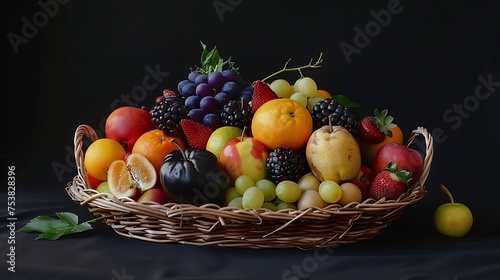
<point>131,177</point>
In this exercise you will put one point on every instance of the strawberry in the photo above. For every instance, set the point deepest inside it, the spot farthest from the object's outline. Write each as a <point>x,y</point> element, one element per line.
<point>196,133</point>
<point>390,182</point>
<point>169,93</point>
<point>374,129</point>
<point>261,94</point>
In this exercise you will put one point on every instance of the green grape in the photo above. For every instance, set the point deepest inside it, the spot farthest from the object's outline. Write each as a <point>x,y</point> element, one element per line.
<point>311,101</point>
<point>299,97</point>
<point>286,205</point>
<point>296,85</point>
<point>281,87</point>
<point>231,194</point>
<point>270,206</point>
<point>330,191</point>
<point>291,91</point>
<point>268,187</point>
<point>253,198</point>
<point>288,191</point>
<point>308,87</point>
<point>237,202</point>
<point>242,183</point>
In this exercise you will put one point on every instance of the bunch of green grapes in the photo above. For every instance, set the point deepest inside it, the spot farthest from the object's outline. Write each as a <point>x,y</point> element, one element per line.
<point>304,91</point>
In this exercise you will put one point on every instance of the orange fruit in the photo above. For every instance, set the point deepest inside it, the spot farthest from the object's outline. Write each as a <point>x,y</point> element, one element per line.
<point>282,122</point>
<point>99,156</point>
<point>130,177</point>
<point>324,93</point>
<point>368,151</point>
<point>155,145</point>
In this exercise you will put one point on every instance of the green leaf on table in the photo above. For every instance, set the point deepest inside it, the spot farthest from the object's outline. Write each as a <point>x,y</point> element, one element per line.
<point>51,228</point>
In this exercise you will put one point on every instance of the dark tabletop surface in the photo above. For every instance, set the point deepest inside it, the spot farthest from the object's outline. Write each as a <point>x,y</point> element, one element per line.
<point>434,65</point>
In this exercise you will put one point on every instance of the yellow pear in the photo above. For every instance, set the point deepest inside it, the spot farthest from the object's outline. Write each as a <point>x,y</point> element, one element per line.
<point>333,154</point>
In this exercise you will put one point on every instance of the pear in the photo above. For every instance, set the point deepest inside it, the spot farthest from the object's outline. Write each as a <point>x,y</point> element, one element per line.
<point>333,154</point>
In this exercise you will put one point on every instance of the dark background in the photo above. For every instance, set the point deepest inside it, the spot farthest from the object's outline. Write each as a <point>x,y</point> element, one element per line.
<point>423,63</point>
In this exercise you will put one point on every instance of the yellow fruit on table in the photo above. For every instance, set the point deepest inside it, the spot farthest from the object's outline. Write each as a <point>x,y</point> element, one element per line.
<point>99,156</point>
<point>220,137</point>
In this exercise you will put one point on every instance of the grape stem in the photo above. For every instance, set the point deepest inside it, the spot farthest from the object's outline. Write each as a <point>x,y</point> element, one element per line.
<point>316,64</point>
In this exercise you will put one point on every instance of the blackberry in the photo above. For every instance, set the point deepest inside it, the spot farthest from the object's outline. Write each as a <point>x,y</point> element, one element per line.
<point>341,115</point>
<point>238,114</point>
<point>167,114</point>
<point>285,164</point>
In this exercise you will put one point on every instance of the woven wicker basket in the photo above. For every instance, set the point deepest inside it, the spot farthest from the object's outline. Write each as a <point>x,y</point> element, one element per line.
<point>228,226</point>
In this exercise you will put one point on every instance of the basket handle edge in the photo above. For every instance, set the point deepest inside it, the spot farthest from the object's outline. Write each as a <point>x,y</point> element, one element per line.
<point>81,132</point>
<point>429,152</point>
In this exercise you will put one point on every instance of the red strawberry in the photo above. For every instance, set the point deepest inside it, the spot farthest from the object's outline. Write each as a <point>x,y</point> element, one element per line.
<point>390,183</point>
<point>169,93</point>
<point>196,133</point>
<point>374,129</point>
<point>261,94</point>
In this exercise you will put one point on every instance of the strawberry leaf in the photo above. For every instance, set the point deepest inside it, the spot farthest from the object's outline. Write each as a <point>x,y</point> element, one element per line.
<point>51,228</point>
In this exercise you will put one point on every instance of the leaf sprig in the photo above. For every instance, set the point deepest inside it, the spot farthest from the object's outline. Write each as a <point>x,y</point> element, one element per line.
<point>212,62</point>
<point>51,228</point>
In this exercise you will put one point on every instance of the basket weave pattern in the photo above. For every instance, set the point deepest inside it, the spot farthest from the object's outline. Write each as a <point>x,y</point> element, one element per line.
<point>229,226</point>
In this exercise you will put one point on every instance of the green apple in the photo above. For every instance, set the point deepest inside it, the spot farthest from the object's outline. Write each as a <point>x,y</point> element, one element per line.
<point>220,137</point>
<point>103,187</point>
<point>452,219</point>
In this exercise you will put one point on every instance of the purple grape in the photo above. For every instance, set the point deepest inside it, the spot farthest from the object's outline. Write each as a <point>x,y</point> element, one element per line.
<point>193,102</point>
<point>181,84</point>
<point>216,80</point>
<point>188,89</point>
<point>203,90</point>
<point>231,88</point>
<point>222,98</point>
<point>196,115</point>
<point>212,120</point>
<point>200,79</point>
<point>246,95</point>
<point>208,104</point>
<point>192,75</point>
<point>249,88</point>
<point>230,75</point>
<point>243,83</point>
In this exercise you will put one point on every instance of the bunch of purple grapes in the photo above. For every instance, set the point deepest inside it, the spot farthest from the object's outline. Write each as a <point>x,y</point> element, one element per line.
<point>206,94</point>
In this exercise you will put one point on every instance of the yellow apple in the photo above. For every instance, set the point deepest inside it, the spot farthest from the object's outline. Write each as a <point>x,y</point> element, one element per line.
<point>453,219</point>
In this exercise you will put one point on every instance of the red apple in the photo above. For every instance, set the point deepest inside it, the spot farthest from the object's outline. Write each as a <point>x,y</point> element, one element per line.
<point>244,156</point>
<point>155,194</point>
<point>126,124</point>
<point>402,156</point>
<point>94,182</point>
<point>363,180</point>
